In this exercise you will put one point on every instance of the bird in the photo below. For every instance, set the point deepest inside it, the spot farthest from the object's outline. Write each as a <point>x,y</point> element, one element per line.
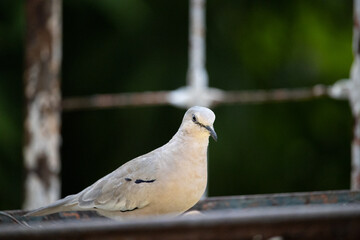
<point>166,181</point>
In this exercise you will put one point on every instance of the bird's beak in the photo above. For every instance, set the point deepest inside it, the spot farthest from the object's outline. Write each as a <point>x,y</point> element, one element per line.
<point>212,132</point>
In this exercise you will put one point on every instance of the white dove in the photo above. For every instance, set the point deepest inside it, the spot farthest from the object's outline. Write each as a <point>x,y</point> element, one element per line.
<point>168,180</point>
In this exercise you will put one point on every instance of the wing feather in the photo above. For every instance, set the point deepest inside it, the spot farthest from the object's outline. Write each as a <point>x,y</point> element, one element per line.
<point>115,193</point>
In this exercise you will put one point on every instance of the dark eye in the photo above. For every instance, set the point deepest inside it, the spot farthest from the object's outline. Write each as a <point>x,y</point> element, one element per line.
<point>194,118</point>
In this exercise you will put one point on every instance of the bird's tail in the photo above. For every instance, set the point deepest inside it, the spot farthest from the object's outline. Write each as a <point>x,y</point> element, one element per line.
<point>65,204</point>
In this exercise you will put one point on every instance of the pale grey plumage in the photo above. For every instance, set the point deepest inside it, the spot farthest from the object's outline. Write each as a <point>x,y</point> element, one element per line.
<point>168,180</point>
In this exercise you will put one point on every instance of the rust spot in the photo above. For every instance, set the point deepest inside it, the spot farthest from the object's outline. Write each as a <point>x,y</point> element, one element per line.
<point>46,109</point>
<point>27,136</point>
<point>356,141</point>
<point>357,179</point>
<point>43,171</point>
<point>325,198</point>
<point>208,206</point>
<point>71,214</point>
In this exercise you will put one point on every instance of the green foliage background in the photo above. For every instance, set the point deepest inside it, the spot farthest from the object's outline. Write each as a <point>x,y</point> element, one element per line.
<point>114,46</point>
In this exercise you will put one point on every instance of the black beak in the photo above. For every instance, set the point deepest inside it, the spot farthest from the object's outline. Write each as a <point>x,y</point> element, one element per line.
<point>212,132</point>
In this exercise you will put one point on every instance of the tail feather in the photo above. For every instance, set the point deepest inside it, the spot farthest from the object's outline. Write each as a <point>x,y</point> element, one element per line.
<point>65,204</point>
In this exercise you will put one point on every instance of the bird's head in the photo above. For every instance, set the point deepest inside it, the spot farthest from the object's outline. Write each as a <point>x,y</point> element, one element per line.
<point>198,122</point>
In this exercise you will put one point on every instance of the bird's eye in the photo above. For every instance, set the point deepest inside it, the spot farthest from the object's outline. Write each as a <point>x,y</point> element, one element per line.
<point>194,118</point>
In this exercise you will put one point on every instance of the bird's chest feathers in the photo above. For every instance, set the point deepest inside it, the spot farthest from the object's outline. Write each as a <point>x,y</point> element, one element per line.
<point>186,170</point>
<point>189,160</point>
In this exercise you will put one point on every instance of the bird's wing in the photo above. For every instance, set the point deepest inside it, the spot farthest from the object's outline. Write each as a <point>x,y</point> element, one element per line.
<point>126,189</point>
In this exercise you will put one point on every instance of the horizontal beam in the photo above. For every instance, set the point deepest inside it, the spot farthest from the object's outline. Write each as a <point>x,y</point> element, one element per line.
<point>302,222</point>
<point>307,215</point>
<point>103,101</point>
<point>278,199</point>
<point>218,203</point>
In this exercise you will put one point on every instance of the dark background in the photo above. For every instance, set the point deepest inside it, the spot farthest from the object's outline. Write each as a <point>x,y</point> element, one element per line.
<point>113,46</point>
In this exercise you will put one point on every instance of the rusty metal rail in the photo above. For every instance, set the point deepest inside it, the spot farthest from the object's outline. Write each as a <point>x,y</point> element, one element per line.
<point>301,222</point>
<point>279,199</point>
<point>159,98</point>
<point>311,215</point>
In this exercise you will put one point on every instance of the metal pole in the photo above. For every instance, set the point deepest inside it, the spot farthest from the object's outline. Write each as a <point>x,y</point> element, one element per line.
<point>43,102</point>
<point>197,77</point>
<point>197,91</point>
<point>355,99</point>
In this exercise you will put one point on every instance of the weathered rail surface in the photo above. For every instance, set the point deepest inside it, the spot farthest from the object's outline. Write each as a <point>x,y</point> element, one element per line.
<point>312,215</point>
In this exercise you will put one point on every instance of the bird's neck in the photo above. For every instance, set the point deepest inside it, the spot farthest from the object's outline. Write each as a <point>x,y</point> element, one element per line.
<point>196,142</point>
<point>186,151</point>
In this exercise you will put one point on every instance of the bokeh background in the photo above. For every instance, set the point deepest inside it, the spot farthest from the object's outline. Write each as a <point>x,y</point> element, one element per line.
<point>112,46</point>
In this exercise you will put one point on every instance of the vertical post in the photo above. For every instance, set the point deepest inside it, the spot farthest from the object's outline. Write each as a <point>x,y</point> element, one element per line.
<point>355,99</point>
<point>43,99</point>
<point>197,77</point>
<point>197,91</point>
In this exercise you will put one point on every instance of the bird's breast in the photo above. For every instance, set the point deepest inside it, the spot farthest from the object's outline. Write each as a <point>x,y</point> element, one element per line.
<point>182,180</point>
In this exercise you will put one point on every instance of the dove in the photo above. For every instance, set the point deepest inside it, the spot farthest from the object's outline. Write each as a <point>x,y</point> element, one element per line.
<point>166,181</point>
